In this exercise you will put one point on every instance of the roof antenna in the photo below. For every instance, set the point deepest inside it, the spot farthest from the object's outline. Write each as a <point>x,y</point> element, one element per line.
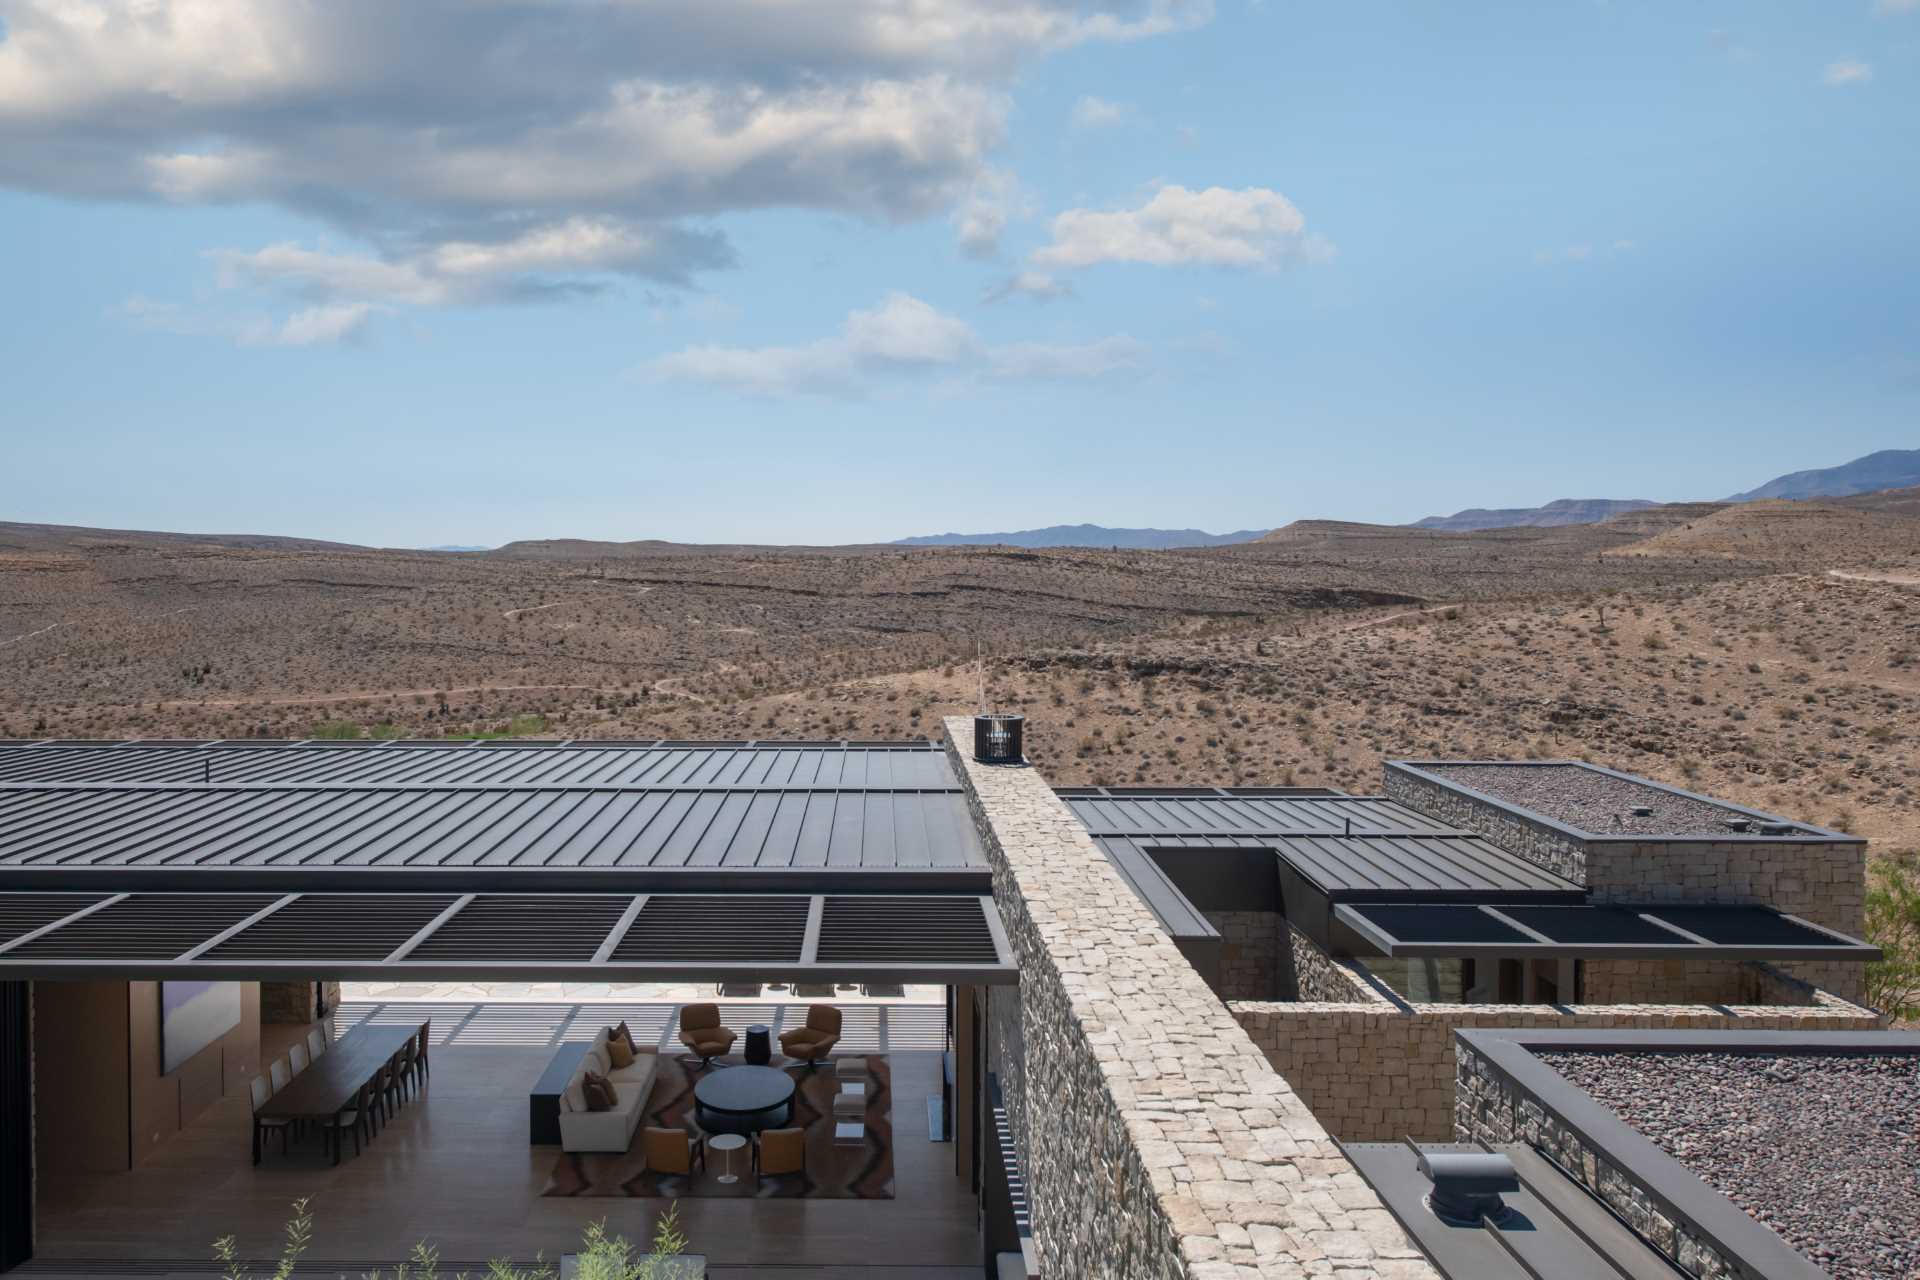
<point>1349,830</point>
<point>207,764</point>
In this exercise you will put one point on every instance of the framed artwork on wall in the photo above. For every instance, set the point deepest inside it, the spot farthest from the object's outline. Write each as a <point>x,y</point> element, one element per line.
<point>192,1016</point>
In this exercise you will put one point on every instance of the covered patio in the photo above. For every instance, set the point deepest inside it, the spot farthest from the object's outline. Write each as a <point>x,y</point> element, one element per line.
<point>783,878</point>
<point>456,1169</point>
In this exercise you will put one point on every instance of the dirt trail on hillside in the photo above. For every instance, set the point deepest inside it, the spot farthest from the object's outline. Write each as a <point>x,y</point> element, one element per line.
<point>1891,579</point>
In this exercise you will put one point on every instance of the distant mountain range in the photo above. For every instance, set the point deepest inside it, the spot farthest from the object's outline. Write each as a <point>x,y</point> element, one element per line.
<point>456,547</point>
<point>1887,469</point>
<point>1559,512</point>
<point>1086,535</point>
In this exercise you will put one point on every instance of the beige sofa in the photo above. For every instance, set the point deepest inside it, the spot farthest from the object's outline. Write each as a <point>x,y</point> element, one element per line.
<point>612,1130</point>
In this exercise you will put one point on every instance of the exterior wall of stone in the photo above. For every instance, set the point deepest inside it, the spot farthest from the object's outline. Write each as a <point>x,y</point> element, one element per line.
<point>1671,981</point>
<point>1821,880</point>
<point>1492,1109</point>
<point>1378,1070</point>
<point>1542,845</point>
<point>1250,953</point>
<point>1319,978</point>
<point>1156,1139</point>
<point>292,1001</point>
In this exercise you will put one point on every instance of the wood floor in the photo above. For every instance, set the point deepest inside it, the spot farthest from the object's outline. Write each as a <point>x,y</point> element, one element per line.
<point>454,1168</point>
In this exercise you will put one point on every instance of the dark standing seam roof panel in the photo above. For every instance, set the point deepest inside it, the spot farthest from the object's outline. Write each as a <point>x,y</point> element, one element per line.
<point>498,807</point>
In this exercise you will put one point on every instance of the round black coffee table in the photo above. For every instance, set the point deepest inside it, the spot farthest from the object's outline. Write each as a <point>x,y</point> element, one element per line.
<point>743,1099</point>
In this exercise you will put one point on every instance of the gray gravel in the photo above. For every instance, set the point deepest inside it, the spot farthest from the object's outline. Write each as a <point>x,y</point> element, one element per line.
<point>1591,801</point>
<point>1824,1149</point>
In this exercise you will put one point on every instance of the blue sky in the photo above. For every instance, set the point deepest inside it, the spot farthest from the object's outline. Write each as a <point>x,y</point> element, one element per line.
<point>749,271</point>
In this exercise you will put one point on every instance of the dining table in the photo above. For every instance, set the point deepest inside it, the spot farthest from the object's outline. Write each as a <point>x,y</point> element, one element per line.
<point>331,1083</point>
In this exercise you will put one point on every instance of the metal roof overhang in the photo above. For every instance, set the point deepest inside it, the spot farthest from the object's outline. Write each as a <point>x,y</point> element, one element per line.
<point>1595,932</point>
<point>551,937</point>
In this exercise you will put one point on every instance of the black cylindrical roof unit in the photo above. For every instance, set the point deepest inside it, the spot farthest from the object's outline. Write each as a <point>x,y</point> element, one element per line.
<point>998,738</point>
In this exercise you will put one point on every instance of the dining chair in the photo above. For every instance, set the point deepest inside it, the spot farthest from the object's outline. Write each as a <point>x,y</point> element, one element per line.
<point>421,1040</point>
<point>316,1043</point>
<point>378,1112</point>
<point>356,1117</point>
<point>280,1074</point>
<point>395,1084</point>
<point>410,1065</point>
<point>298,1056</point>
<point>263,1125</point>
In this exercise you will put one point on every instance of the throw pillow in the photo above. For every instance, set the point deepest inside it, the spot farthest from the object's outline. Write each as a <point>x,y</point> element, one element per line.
<point>599,1091</point>
<point>620,1052</point>
<point>621,1033</point>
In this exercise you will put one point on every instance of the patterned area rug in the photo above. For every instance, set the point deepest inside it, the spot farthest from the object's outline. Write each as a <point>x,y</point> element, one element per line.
<point>832,1173</point>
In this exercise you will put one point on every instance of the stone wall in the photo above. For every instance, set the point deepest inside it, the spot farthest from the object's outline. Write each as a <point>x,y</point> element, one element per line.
<point>1377,1069</point>
<point>1250,953</point>
<point>1823,880</point>
<point>1157,1141</point>
<point>1492,1109</point>
<point>1319,978</point>
<point>293,1001</point>
<point>1538,843</point>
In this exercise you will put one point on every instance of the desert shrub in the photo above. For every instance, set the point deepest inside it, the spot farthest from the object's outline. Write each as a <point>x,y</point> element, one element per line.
<point>601,1257</point>
<point>1893,925</point>
<point>339,729</point>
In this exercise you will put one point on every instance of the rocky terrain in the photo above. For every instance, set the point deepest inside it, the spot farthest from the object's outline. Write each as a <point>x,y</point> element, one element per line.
<point>1774,662</point>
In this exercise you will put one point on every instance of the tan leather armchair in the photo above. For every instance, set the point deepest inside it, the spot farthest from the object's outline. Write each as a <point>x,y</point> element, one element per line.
<point>700,1031</point>
<point>780,1151</point>
<point>813,1042</point>
<point>673,1150</point>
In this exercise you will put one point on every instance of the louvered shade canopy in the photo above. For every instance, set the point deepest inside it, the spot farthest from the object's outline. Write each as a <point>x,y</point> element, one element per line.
<point>604,937</point>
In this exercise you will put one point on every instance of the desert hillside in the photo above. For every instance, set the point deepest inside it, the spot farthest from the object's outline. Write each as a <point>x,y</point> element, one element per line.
<point>1768,652</point>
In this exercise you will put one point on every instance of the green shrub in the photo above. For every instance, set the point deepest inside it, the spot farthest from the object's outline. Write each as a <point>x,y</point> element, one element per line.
<point>1893,925</point>
<point>335,729</point>
<point>601,1257</point>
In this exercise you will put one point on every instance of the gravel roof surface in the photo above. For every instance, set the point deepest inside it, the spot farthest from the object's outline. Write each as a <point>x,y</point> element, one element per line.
<point>1825,1149</point>
<point>1590,801</point>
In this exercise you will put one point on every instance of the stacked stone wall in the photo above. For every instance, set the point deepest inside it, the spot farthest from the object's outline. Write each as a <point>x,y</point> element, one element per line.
<point>1538,843</point>
<point>293,1001</point>
<point>1379,1069</point>
<point>1321,979</point>
<point>1249,954</point>
<point>1156,1139</point>
<point>1492,1109</point>
<point>1821,880</point>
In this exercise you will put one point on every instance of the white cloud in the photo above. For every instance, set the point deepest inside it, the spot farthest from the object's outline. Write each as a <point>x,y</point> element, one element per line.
<point>1097,113</point>
<point>538,262</point>
<point>1253,227</point>
<point>1845,72</point>
<point>994,200</point>
<point>902,335</point>
<point>328,324</point>
<point>432,124</point>
<point>1037,285</point>
<point>316,326</point>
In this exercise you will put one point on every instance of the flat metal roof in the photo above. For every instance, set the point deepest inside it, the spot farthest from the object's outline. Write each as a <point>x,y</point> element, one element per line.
<point>496,816</point>
<point>1595,932</point>
<point>1552,1226</point>
<point>587,937</point>
<point>1349,847</point>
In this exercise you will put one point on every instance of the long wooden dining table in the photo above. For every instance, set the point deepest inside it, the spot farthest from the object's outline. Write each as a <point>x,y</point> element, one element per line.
<point>331,1083</point>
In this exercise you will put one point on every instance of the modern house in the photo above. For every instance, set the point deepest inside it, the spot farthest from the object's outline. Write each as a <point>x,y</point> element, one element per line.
<point>1172,1026</point>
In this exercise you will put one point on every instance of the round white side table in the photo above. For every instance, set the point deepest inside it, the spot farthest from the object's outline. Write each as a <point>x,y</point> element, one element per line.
<point>727,1143</point>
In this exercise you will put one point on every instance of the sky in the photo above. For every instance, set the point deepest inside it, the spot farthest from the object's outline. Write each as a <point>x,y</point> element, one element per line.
<point>467,271</point>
